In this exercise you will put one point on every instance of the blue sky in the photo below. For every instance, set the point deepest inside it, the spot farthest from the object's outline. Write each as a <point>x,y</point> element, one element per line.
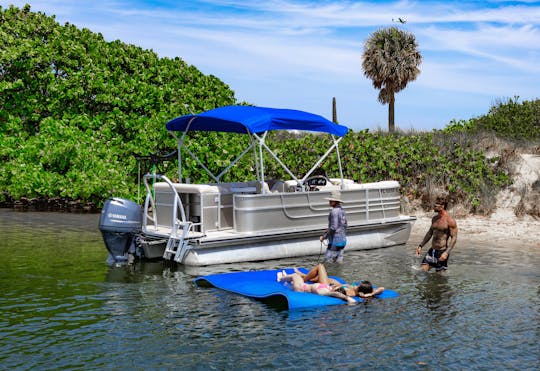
<point>300,54</point>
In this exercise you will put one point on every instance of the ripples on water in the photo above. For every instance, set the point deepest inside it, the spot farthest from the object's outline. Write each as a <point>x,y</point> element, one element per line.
<point>63,308</point>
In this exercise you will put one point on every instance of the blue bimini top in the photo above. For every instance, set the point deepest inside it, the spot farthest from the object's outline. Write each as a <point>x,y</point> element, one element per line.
<point>250,119</point>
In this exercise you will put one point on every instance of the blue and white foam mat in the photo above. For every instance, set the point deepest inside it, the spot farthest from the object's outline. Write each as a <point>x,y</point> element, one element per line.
<point>263,285</point>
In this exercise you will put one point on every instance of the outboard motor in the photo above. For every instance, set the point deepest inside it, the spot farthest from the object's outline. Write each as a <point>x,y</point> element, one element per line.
<point>120,224</point>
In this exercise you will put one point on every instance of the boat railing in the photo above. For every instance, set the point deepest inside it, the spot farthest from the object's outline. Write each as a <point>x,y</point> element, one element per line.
<point>150,203</point>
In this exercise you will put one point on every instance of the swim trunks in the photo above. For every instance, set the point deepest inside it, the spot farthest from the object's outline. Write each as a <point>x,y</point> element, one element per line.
<point>432,259</point>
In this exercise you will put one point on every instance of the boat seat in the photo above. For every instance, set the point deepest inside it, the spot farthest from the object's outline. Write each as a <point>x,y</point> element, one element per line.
<point>329,188</point>
<point>244,190</point>
<point>236,187</point>
<point>337,181</point>
<point>192,188</point>
<point>290,186</point>
<point>259,188</point>
<point>278,187</point>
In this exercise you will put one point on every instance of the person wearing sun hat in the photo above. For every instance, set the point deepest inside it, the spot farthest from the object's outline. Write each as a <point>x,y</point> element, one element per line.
<point>337,227</point>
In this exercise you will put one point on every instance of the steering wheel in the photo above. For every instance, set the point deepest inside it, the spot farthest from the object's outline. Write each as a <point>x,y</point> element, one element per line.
<point>316,181</point>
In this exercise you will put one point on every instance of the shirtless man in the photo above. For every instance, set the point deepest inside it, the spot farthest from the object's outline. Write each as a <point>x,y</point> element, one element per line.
<point>444,232</point>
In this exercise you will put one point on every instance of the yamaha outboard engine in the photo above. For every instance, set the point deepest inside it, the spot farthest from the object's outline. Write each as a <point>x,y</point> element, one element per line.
<point>120,224</point>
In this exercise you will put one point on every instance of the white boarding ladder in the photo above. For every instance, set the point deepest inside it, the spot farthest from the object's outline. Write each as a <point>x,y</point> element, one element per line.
<point>177,244</point>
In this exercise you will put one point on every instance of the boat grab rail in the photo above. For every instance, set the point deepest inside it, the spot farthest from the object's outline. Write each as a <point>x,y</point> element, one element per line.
<point>371,205</point>
<point>149,201</point>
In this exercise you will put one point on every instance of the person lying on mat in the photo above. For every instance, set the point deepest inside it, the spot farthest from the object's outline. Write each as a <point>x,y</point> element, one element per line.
<point>321,287</point>
<point>363,290</point>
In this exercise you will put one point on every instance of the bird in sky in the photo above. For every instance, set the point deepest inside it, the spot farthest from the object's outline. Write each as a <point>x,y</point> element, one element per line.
<point>400,20</point>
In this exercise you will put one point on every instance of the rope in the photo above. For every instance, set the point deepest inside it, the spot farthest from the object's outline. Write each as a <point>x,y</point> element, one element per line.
<point>323,244</point>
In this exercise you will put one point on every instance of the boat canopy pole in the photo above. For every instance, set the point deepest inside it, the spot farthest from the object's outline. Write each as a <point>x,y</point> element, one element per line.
<point>179,150</point>
<point>201,164</point>
<point>339,160</point>
<point>257,167</point>
<point>323,157</point>
<point>261,143</point>
<point>180,143</point>
<point>235,161</point>
<point>216,178</point>
<point>275,157</point>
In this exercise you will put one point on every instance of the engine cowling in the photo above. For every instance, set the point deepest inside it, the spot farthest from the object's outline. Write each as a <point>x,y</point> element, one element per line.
<point>120,224</point>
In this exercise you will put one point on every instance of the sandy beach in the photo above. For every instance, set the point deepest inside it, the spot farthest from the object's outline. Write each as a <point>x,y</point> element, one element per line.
<point>511,230</point>
<point>503,226</point>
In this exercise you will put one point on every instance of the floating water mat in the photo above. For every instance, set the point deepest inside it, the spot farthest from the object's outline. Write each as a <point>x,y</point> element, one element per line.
<point>263,285</point>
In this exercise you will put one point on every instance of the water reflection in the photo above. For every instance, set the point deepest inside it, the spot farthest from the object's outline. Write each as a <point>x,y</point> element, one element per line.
<point>435,290</point>
<point>138,271</point>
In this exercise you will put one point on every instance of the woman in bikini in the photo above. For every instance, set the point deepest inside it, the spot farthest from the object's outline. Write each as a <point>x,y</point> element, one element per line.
<point>321,287</point>
<point>363,290</point>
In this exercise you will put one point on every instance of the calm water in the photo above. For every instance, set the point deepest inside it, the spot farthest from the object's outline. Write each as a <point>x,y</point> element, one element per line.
<point>62,307</point>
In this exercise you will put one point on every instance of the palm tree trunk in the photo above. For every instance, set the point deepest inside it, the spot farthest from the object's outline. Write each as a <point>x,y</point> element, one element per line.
<point>391,124</point>
<point>334,111</point>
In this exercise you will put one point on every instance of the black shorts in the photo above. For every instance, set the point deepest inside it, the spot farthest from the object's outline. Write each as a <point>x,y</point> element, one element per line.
<point>435,263</point>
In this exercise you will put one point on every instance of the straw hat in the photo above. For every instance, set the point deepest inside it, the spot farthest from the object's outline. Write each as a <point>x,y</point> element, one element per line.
<point>335,196</point>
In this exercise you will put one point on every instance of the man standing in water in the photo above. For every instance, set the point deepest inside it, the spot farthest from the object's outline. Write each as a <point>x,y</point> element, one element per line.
<point>336,232</point>
<point>444,232</point>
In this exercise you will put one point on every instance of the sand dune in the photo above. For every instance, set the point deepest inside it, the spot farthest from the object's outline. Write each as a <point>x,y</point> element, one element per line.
<point>503,226</point>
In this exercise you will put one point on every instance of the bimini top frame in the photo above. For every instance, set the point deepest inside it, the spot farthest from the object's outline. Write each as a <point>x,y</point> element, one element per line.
<point>255,122</point>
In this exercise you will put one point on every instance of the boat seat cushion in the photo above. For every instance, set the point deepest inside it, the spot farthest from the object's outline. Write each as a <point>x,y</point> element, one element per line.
<point>263,285</point>
<point>195,188</point>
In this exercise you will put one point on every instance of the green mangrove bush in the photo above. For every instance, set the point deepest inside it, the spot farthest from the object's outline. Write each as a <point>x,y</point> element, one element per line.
<point>75,109</point>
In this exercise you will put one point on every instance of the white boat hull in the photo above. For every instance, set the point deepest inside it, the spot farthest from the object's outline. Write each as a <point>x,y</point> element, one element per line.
<point>269,247</point>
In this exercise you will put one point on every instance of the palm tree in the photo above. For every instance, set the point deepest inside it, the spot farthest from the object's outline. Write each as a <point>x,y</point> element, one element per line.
<point>391,59</point>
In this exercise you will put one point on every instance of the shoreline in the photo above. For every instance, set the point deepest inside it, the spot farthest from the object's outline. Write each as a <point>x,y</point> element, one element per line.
<point>499,227</point>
